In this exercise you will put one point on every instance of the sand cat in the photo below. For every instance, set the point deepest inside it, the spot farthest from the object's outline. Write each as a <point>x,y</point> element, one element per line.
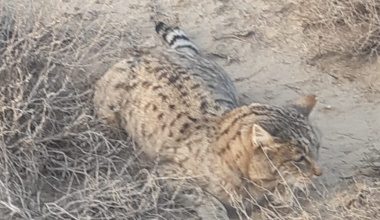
<point>183,109</point>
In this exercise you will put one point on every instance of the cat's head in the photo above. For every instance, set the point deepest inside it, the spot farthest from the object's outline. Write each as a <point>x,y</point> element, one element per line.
<point>287,140</point>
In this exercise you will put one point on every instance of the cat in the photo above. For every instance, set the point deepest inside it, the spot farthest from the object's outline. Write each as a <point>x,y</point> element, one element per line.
<point>184,110</point>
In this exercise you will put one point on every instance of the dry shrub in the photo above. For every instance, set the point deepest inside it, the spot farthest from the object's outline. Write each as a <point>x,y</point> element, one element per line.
<point>348,28</point>
<point>57,161</point>
<point>359,201</point>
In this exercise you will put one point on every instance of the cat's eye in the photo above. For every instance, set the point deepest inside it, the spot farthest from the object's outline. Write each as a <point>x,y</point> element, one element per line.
<point>299,159</point>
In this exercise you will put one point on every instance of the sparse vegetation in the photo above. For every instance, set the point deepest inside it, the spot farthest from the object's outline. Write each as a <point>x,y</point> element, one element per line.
<point>57,161</point>
<point>348,28</point>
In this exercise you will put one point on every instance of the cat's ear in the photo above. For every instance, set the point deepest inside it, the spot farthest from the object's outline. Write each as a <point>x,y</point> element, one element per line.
<point>260,137</point>
<point>305,104</point>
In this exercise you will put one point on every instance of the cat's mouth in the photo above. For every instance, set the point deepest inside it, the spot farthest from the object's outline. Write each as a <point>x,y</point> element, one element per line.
<point>317,171</point>
<point>298,179</point>
<point>303,183</point>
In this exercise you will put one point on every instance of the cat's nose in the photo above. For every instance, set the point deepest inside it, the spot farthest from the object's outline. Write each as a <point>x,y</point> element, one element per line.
<point>317,171</point>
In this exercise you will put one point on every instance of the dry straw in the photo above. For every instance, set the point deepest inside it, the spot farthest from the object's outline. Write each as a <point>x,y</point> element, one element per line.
<point>348,28</point>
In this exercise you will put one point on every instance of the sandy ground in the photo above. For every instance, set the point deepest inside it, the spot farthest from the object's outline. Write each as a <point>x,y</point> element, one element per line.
<point>260,44</point>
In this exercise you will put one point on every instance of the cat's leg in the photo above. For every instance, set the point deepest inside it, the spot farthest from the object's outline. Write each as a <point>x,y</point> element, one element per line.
<point>281,196</point>
<point>189,195</point>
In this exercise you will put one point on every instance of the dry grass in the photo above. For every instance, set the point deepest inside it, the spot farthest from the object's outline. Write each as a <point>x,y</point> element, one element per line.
<point>57,161</point>
<point>348,28</point>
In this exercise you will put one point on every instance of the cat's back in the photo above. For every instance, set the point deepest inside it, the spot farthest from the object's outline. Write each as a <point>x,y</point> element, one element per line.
<point>207,72</point>
<point>157,99</point>
<point>161,78</point>
<point>165,97</point>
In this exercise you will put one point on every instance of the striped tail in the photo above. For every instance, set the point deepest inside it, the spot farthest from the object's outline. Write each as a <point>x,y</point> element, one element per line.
<point>176,38</point>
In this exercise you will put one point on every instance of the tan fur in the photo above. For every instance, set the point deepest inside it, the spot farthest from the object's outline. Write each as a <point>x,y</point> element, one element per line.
<point>233,155</point>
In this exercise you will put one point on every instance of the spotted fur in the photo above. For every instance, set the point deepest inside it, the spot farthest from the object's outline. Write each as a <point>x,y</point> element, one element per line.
<point>183,109</point>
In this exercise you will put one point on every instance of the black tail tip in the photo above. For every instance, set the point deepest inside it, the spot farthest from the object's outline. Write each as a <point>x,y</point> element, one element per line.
<point>159,26</point>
